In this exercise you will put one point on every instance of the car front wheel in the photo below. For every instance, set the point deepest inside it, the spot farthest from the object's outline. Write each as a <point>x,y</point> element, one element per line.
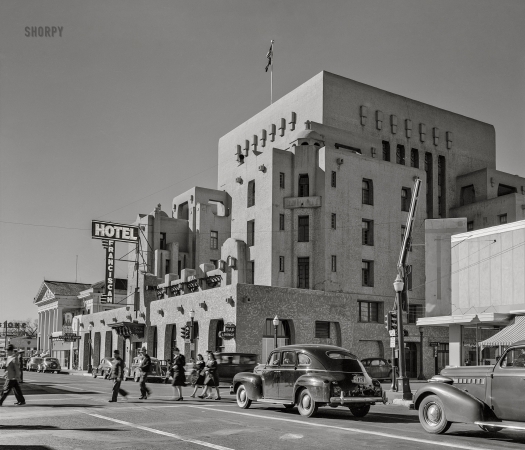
<point>432,415</point>
<point>359,411</point>
<point>242,397</point>
<point>306,405</point>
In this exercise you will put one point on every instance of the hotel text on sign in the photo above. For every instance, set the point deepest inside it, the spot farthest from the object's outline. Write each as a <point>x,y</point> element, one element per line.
<point>114,231</point>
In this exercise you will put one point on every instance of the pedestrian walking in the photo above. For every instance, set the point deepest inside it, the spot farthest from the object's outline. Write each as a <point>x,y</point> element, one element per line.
<point>197,377</point>
<point>179,376</point>
<point>212,377</point>
<point>20,360</point>
<point>117,375</point>
<point>144,368</point>
<point>12,376</point>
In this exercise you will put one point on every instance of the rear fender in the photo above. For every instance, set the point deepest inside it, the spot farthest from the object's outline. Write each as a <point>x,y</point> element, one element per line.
<point>251,381</point>
<point>460,406</point>
<point>317,385</point>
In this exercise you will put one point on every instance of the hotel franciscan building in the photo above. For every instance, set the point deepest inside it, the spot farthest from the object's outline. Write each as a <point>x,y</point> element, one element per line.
<point>306,224</point>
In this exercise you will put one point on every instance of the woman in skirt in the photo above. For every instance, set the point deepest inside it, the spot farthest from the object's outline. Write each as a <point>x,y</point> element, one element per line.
<point>179,377</point>
<point>212,376</point>
<point>197,377</point>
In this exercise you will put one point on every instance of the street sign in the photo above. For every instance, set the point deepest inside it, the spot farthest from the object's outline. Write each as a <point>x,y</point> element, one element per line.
<point>393,333</point>
<point>434,344</point>
<point>392,342</point>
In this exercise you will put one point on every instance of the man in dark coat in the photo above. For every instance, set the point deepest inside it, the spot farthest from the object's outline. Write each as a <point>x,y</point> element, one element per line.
<point>117,375</point>
<point>12,376</point>
<point>145,368</point>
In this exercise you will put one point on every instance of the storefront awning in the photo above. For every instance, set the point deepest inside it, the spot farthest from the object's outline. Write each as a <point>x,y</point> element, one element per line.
<point>509,335</point>
<point>127,329</point>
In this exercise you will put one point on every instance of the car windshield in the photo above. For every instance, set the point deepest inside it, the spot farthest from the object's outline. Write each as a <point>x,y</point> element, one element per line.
<point>343,361</point>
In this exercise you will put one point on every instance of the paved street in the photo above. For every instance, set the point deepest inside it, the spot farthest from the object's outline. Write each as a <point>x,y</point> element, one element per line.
<point>72,412</point>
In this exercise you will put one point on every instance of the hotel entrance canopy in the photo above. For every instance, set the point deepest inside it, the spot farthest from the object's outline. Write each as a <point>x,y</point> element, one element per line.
<point>509,335</point>
<point>486,318</point>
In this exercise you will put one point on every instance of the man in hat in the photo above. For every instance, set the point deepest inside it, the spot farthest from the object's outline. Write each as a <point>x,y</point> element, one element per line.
<point>20,361</point>
<point>145,368</point>
<point>117,375</point>
<point>12,376</point>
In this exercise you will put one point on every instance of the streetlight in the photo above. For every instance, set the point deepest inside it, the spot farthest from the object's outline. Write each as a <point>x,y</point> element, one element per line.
<point>403,383</point>
<point>275,325</point>
<point>421,376</point>
<point>192,318</point>
<point>90,365</point>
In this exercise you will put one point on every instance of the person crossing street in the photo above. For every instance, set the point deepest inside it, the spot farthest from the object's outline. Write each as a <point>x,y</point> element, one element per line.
<point>12,377</point>
<point>117,375</point>
<point>145,368</point>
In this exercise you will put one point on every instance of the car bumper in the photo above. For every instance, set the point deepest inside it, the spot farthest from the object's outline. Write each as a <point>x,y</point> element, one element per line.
<point>355,400</point>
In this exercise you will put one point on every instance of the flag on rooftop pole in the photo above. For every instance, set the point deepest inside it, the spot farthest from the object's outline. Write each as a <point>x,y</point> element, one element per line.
<point>269,56</point>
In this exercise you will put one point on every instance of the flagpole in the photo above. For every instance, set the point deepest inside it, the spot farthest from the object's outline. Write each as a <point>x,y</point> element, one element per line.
<point>271,77</point>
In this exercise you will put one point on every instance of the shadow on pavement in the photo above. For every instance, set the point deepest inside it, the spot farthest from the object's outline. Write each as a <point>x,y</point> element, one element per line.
<point>25,447</point>
<point>50,427</point>
<point>502,436</point>
<point>29,389</point>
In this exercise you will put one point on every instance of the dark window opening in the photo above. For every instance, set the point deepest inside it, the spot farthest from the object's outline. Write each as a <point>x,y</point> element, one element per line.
<point>502,218</point>
<point>304,229</point>
<point>281,180</point>
<point>430,178</point>
<point>386,151</point>
<point>303,273</point>
<point>163,244</point>
<point>369,311</point>
<point>334,263</point>
<point>304,185</point>
<point>415,312</point>
<point>334,179</point>
<point>400,154</point>
<point>167,267</point>
<point>283,329</point>
<point>183,211</point>
<point>281,222</point>
<point>470,226</point>
<point>405,199</point>
<point>214,239</point>
<point>414,158</point>
<point>251,193</point>
<point>368,193</point>
<point>334,221</point>
<point>322,330</point>
<point>505,190</point>
<point>251,233</point>
<point>368,232</point>
<point>467,195</point>
<point>250,272</point>
<point>367,272</point>
<point>441,187</point>
<point>281,263</point>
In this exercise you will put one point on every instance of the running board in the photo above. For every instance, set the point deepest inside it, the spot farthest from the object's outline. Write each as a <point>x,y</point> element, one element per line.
<point>507,424</point>
<point>271,400</point>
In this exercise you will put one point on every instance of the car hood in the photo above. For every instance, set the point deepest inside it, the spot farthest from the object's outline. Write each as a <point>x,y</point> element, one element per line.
<point>467,371</point>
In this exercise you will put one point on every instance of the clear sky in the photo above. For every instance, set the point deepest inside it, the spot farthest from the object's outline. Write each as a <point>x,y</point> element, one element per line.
<point>124,110</point>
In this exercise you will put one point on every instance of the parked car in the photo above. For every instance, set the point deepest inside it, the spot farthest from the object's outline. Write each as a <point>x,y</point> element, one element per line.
<point>133,372</point>
<point>379,368</point>
<point>3,362</point>
<point>49,365</point>
<point>33,363</point>
<point>103,369</point>
<point>309,376</point>
<point>230,364</point>
<point>491,397</point>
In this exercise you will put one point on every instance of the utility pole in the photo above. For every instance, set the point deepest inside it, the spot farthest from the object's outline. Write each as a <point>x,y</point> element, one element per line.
<point>403,382</point>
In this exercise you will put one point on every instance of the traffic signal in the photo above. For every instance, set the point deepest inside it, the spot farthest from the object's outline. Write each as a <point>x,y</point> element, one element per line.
<point>392,320</point>
<point>187,334</point>
<point>183,332</point>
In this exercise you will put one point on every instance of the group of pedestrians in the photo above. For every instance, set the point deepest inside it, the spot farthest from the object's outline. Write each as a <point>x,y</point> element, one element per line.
<point>204,375</point>
<point>13,376</point>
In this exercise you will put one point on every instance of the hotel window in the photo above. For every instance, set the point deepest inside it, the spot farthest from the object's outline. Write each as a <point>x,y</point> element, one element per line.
<point>303,273</point>
<point>251,193</point>
<point>400,155</point>
<point>405,199</point>
<point>430,178</point>
<point>322,330</point>
<point>470,226</point>
<point>304,185</point>
<point>368,232</point>
<point>250,273</point>
<point>369,311</point>
<point>334,179</point>
<point>367,273</point>
<point>281,180</point>
<point>442,208</point>
<point>415,312</point>
<point>334,263</point>
<point>414,158</point>
<point>368,192</point>
<point>163,241</point>
<point>251,232</point>
<point>281,263</point>
<point>281,222</point>
<point>214,239</point>
<point>503,218</point>
<point>304,229</point>
<point>386,151</point>
<point>167,266</point>
<point>334,221</point>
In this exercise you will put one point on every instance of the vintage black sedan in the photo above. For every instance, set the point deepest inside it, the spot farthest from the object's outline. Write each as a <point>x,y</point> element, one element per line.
<point>309,376</point>
<point>489,396</point>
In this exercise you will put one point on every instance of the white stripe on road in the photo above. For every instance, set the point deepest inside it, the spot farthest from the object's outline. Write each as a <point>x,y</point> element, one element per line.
<point>355,430</point>
<point>163,433</point>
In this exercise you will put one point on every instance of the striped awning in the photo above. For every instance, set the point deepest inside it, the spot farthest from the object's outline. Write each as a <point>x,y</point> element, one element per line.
<point>509,335</point>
